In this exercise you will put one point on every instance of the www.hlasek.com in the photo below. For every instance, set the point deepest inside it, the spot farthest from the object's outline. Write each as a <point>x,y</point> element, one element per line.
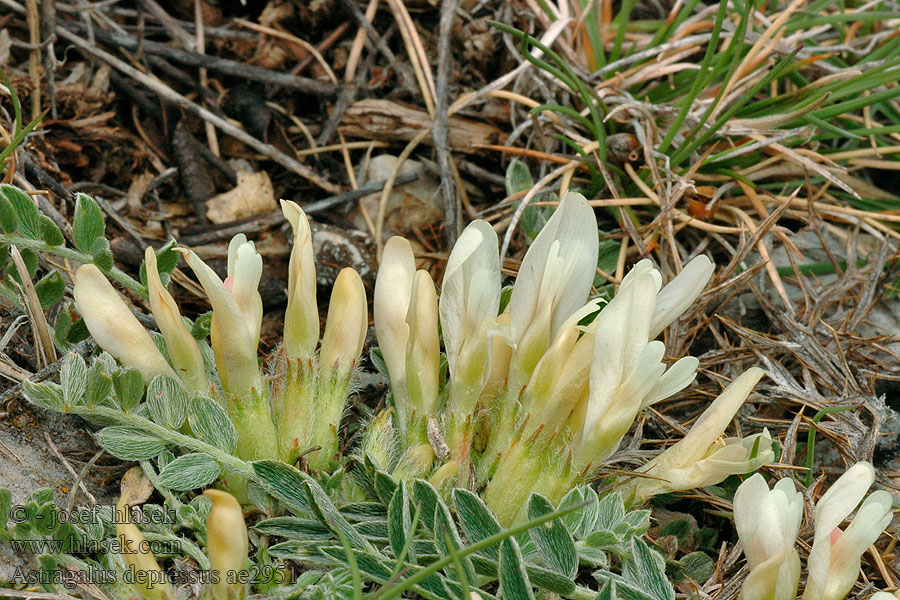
<point>72,577</point>
<point>118,545</point>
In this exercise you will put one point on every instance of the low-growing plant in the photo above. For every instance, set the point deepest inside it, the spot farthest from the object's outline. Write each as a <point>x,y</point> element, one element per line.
<point>475,476</point>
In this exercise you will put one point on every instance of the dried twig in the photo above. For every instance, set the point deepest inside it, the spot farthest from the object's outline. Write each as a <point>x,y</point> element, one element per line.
<point>440,130</point>
<point>220,65</point>
<point>174,97</point>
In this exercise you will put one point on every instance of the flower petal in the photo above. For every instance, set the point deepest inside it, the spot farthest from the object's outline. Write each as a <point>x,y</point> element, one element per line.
<point>621,335</point>
<point>842,498</point>
<point>301,319</point>
<point>470,294</point>
<point>569,242</point>
<point>680,293</point>
<point>347,324</point>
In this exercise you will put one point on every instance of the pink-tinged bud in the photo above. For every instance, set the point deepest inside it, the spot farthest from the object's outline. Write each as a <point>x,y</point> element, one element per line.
<point>834,560</point>
<point>237,315</point>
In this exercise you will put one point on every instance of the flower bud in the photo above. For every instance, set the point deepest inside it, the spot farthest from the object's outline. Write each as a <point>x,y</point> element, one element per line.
<point>152,582</point>
<point>244,272</point>
<point>183,348</point>
<point>414,464</point>
<point>445,475</point>
<point>470,298</point>
<point>301,319</point>
<point>237,315</point>
<point>348,321</point>
<point>113,326</point>
<point>393,290</point>
<point>423,352</point>
<point>227,542</point>
<point>379,442</point>
<point>767,522</point>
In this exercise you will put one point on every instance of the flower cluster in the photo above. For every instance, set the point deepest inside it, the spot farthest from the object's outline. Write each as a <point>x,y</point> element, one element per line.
<point>303,409</point>
<point>535,397</point>
<point>768,521</point>
<point>542,393</point>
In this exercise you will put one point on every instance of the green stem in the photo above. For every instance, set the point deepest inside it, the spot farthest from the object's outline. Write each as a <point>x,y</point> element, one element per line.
<point>115,273</point>
<point>112,415</point>
<point>811,437</point>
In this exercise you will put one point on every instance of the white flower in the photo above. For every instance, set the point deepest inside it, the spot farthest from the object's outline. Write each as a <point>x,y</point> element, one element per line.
<point>767,522</point>
<point>470,298</point>
<point>348,321</point>
<point>834,560</point>
<point>554,281</point>
<point>627,372</point>
<point>244,272</point>
<point>113,326</point>
<point>183,348</point>
<point>237,314</point>
<point>301,319</point>
<point>702,457</point>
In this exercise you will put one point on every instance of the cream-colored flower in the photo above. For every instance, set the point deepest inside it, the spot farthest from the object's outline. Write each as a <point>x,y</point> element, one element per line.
<point>767,522</point>
<point>627,372</point>
<point>470,298</point>
<point>301,319</point>
<point>113,326</point>
<point>345,329</point>
<point>183,348</point>
<point>702,457</point>
<point>393,290</point>
<point>554,281</point>
<point>834,561</point>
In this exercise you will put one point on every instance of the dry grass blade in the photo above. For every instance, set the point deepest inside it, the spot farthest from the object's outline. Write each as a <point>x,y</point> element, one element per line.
<point>43,340</point>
